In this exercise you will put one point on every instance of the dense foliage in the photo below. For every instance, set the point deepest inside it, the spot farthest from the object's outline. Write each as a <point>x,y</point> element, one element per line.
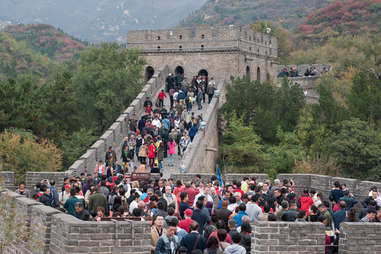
<point>78,104</point>
<point>46,40</point>
<point>20,154</point>
<point>351,17</point>
<point>17,59</point>
<point>288,136</point>
<point>243,12</point>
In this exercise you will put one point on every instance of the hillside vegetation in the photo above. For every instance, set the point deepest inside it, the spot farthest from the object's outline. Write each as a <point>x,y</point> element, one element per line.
<point>17,59</point>
<point>343,18</point>
<point>47,40</point>
<point>288,13</point>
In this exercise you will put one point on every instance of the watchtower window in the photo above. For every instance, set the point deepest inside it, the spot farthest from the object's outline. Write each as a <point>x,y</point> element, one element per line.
<point>158,47</point>
<point>203,36</point>
<point>202,46</point>
<point>158,38</point>
<point>180,47</point>
<point>180,37</point>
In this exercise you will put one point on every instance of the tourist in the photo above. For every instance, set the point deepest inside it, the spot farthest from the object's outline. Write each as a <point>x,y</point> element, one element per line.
<point>69,204</point>
<point>200,217</point>
<point>98,200</point>
<point>22,191</point>
<point>45,198</point>
<point>210,90</point>
<point>235,248</point>
<point>194,240</point>
<point>349,200</point>
<point>370,215</point>
<point>252,208</point>
<point>186,222</point>
<point>168,243</point>
<point>80,212</point>
<point>157,230</point>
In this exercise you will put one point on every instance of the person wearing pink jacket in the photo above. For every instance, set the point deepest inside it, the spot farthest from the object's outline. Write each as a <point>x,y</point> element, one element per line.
<point>171,151</point>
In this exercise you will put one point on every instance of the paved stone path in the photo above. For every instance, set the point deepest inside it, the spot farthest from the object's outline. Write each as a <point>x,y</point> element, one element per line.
<point>168,170</point>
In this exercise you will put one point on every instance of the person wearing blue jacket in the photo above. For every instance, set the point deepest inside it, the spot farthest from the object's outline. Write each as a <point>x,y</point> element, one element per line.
<point>240,214</point>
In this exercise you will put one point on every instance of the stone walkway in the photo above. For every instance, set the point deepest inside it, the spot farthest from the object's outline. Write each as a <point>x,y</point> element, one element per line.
<point>168,170</point>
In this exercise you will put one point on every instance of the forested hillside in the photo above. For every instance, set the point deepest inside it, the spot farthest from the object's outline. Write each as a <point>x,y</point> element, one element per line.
<point>17,59</point>
<point>47,40</point>
<point>339,136</point>
<point>341,18</point>
<point>288,13</point>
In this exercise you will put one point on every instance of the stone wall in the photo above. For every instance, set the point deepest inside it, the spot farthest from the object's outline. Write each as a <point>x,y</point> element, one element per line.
<point>56,232</point>
<point>324,184</point>
<point>201,156</point>
<point>360,238</point>
<point>204,37</point>
<point>228,178</point>
<point>288,237</point>
<point>7,179</point>
<point>31,178</point>
<point>114,136</point>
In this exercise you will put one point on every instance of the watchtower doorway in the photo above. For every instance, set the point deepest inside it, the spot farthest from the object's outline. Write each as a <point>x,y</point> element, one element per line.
<point>149,72</point>
<point>179,71</point>
<point>248,73</point>
<point>258,74</point>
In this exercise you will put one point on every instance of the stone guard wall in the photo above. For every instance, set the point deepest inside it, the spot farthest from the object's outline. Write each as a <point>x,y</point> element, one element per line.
<point>201,156</point>
<point>7,178</point>
<point>288,237</point>
<point>114,136</point>
<point>59,233</point>
<point>360,238</point>
<point>324,184</point>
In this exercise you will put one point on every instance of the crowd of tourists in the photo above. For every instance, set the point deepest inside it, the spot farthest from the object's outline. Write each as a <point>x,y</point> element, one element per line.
<point>202,214</point>
<point>293,72</point>
<point>163,131</point>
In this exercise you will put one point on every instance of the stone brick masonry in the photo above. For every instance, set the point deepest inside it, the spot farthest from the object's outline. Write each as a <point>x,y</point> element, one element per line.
<point>288,237</point>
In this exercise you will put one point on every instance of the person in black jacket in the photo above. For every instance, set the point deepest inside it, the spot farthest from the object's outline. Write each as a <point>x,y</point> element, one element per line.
<point>291,214</point>
<point>46,199</point>
<point>246,236</point>
<point>194,240</point>
<point>200,217</point>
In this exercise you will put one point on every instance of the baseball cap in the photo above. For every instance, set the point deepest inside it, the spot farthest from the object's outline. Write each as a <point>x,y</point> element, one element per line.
<point>188,212</point>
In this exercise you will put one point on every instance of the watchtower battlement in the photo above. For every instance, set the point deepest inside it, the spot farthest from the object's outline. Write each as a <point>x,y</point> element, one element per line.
<point>204,38</point>
<point>222,51</point>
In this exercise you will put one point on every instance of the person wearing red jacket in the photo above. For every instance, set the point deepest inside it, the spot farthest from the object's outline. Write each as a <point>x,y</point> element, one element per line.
<point>305,201</point>
<point>161,97</point>
<point>185,223</point>
<point>151,154</point>
<point>192,191</point>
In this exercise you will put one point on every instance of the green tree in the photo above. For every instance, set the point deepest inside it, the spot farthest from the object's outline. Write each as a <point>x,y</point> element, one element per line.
<point>75,145</point>
<point>107,80</point>
<point>357,149</point>
<point>241,148</point>
<point>365,96</point>
<point>21,105</point>
<point>61,111</point>
<point>21,154</point>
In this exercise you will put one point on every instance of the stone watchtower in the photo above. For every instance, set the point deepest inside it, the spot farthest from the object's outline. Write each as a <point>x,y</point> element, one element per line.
<point>220,52</point>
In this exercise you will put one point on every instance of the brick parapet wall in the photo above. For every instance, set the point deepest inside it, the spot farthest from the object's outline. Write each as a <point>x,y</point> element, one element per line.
<point>7,179</point>
<point>288,237</point>
<point>57,232</point>
<point>360,238</point>
<point>202,154</point>
<point>324,184</point>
